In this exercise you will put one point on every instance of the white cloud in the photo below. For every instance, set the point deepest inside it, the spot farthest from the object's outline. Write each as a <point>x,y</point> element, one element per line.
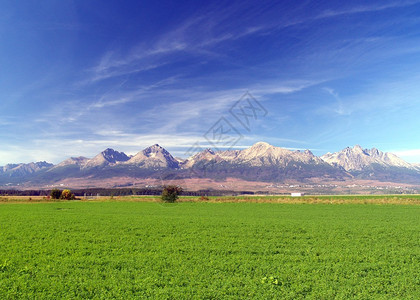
<point>411,155</point>
<point>338,107</point>
<point>55,150</point>
<point>104,103</point>
<point>195,35</point>
<point>366,8</point>
<point>282,87</point>
<point>23,154</point>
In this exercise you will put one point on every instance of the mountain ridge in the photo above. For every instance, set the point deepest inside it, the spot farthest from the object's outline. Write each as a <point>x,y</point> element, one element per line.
<point>357,158</point>
<point>154,156</point>
<point>107,157</point>
<point>261,161</point>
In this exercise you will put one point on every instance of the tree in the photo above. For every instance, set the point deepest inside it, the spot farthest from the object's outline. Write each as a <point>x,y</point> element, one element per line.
<point>170,193</point>
<point>55,194</point>
<point>67,195</point>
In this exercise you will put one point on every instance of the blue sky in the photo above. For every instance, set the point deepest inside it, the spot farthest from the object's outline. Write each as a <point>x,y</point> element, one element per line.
<point>77,77</point>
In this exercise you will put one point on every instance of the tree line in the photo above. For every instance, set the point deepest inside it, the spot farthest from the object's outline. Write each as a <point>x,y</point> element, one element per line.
<point>126,192</point>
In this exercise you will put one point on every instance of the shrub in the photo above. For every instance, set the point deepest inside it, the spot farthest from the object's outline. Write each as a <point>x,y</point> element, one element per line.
<point>55,194</point>
<point>67,195</point>
<point>170,193</point>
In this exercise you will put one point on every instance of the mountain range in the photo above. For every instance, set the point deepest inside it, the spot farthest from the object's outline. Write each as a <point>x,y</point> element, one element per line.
<point>261,162</point>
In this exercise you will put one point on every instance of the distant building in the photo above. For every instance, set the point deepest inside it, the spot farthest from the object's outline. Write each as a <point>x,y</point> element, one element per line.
<point>296,194</point>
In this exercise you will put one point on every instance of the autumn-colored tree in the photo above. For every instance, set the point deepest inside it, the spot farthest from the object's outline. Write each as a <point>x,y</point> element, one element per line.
<point>67,195</point>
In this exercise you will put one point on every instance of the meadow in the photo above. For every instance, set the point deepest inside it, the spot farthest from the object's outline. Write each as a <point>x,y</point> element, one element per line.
<point>217,249</point>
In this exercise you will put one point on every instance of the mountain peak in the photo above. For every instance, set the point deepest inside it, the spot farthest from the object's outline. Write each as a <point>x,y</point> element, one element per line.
<point>261,145</point>
<point>357,148</point>
<point>79,161</point>
<point>261,161</point>
<point>154,149</point>
<point>205,155</point>
<point>208,150</point>
<point>107,157</point>
<point>358,159</point>
<point>113,156</point>
<point>264,154</point>
<point>154,156</point>
<point>308,152</point>
<point>24,169</point>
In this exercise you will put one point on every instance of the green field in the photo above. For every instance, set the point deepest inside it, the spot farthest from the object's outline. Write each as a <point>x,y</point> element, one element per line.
<point>120,249</point>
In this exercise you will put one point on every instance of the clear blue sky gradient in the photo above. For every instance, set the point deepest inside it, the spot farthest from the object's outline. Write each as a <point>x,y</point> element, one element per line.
<point>80,76</point>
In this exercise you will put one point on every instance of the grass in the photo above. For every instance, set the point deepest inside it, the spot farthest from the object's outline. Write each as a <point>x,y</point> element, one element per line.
<point>309,199</point>
<point>131,249</point>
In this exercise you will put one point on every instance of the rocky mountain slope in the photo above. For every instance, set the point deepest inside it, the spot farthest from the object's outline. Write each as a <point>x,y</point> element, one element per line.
<point>154,157</point>
<point>260,154</point>
<point>358,159</point>
<point>264,162</point>
<point>73,161</point>
<point>106,158</point>
<point>260,162</point>
<point>373,164</point>
<point>16,170</point>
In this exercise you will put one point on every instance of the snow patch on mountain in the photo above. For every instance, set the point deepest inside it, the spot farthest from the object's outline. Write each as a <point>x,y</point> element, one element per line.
<point>358,159</point>
<point>106,157</point>
<point>154,157</point>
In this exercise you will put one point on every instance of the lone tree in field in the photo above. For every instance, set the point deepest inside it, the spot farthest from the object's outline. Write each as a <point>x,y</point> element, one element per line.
<point>55,194</point>
<point>170,193</point>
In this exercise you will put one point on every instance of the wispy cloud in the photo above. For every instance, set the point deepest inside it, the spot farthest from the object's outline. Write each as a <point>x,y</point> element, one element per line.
<point>10,154</point>
<point>173,124</point>
<point>276,141</point>
<point>102,103</point>
<point>196,35</point>
<point>411,155</point>
<point>61,149</point>
<point>338,107</point>
<point>323,61</point>
<point>366,8</point>
<point>76,108</point>
<point>202,32</point>
<point>269,87</point>
<point>7,121</point>
<point>120,69</point>
<point>411,152</point>
<point>197,104</point>
<point>197,108</point>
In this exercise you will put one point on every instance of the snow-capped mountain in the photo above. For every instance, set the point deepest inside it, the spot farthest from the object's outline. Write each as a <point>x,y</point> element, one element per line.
<point>260,154</point>
<point>73,161</point>
<point>358,159</point>
<point>12,170</point>
<point>263,154</point>
<point>106,158</point>
<point>153,157</point>
<point>206,155</point>
<point>260,162</point>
